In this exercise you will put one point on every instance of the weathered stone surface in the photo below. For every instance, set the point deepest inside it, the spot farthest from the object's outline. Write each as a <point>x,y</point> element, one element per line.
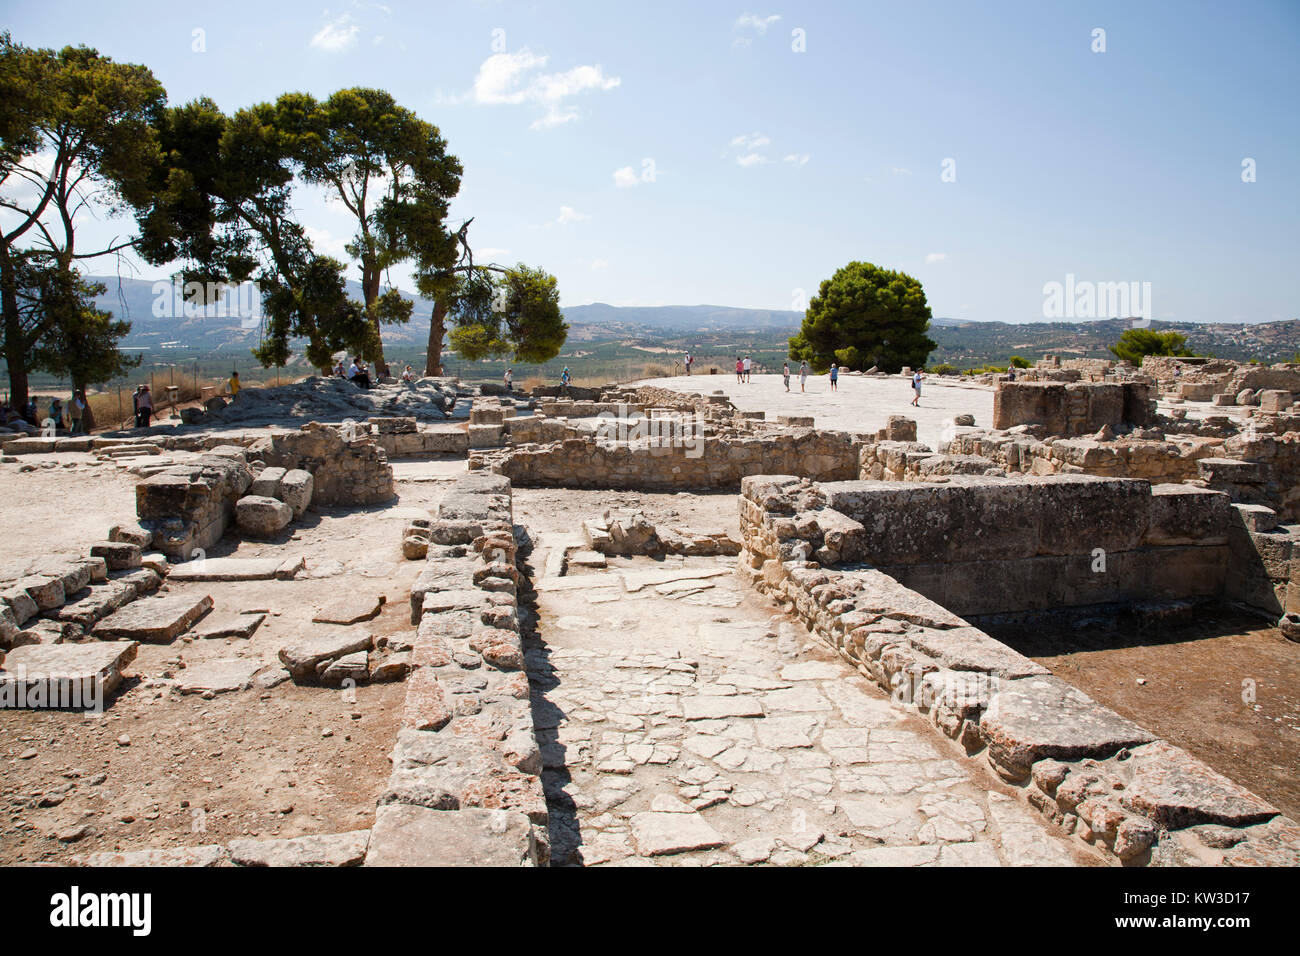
<point>221,676</point>
<point>659,834</point>
<point>712,708</point>
<point>79,674</point>
<point>267,483</point>
<point>262,517</point>
<point>1176,790</point>
<point>350,609</point>
<point>1039,717</point>
<point>21,603</point>
<point>94,602</point>
<point>212,854</point>
<point>226,569</point>
<point>296,487</point>
<point>305,655</point>
<point>217,625</point>
<point>406,835</point>
<point>154,620</point>
<point>329,849</point>
<point>118,555</point>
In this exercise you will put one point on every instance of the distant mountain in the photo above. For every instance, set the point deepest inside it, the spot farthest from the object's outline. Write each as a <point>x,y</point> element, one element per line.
<point>159,323</point>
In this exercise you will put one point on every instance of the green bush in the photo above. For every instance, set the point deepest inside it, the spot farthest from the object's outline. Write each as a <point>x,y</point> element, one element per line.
<point>1018,362</point>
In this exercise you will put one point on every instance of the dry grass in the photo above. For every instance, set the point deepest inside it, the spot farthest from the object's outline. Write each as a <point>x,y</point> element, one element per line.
<point>112,409</point>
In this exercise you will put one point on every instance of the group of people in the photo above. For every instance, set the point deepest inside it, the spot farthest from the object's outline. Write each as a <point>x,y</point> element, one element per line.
<point>357,373</point>
<point>744,366</point>
<point>70,420</point>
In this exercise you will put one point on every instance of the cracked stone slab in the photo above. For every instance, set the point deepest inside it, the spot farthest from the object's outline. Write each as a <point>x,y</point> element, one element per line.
<point>153,620</point>
<point>660,834</point>
<point>228,625</point>
<point>711,708</point>
<point>1176,790</point>
<point>406,835</point>
<point>634,581</point>
<point>350,609</point>
<point>75,668</point>
<point>329,849</point>
<point>1039,717</point>
<point>226,569</point>
<point>222,676</point>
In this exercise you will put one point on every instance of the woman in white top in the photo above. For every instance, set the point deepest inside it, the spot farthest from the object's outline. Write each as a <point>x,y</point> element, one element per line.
<point>803,376</point>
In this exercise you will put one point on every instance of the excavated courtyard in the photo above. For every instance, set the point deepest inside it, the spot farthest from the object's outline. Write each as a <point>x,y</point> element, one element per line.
<point>498,636</point>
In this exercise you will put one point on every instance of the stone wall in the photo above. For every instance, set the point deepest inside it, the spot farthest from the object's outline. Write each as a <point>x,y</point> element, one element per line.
<point>352,472</point>
<point>715,463</point>
<point>184,507</point>
<point>466,787</point>
<point>1091,772</point>
<point>1071,409</point>
<point>984,545</point>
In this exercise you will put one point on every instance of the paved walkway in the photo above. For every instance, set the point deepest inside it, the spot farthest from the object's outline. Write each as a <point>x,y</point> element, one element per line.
<point>859,403</point>
<point>683,723</point>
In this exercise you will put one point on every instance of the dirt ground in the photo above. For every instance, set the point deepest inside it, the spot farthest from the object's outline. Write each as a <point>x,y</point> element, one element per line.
<point>1217,684</point>
<point>158,769</point>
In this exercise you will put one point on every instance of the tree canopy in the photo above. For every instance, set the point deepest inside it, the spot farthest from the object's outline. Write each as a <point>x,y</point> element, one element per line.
<point>865,316</point>
<point>78,134</point>
<point>515,314</point>
<point>1134,344</point>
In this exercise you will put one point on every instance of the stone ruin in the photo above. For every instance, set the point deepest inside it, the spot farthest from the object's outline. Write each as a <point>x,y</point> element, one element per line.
<point>893,554</point>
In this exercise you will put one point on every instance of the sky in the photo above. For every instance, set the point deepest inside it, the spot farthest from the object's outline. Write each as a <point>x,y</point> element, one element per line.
<point>728,154</point>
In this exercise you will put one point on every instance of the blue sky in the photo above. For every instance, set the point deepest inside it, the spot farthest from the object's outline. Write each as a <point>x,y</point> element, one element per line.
<point>686,153</point>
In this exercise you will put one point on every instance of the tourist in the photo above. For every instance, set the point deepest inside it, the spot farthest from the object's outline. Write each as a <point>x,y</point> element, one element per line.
<point>510,379</point>
<point>566,378</point>
<point>748,366</point>
<point>408,376</point>
<point>29,412</point>
<point>77,412</point>
<point>233,383</point>
<point>56,414</point>
<point>689,359</point>
<point>339,370</point>
<point>835,375</point>
<point>143,407</point>
<point>803,376</point>
<point>357,373</point>
<point>740,369</point>
<point>785,374</point>
<point>916,387</point>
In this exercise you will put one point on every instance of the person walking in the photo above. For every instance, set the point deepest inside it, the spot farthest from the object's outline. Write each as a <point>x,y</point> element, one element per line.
<point>566,378</point>
<point>835,376</point>
<point>749,365</point>
<point>689,359</point>
<point>803,376</point>
<point>785,375</point>
<point>144,407</point>
<point>510,379</point>
<point>740,369</point>
<point>916,387</point>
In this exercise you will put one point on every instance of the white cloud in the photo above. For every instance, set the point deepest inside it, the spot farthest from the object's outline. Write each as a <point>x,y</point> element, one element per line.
<point>568,214</point>
<point>337,35</point>
<point>751,159</point>
<point>750,141</point>
<point>797,159</point>
<point>901,171</point>
<point>626,177</point>
<point>599,264</point>
<point>753,21</point>
<point>324,241</point>
<point>516,78</point>
<point>935,257</point>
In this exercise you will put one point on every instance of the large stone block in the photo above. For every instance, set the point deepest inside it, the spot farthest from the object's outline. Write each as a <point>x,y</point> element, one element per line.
<point>1038,717</point>
<point>296,488</point>
<point>262,517</point>
<point>1185,514</point>
<point>154,620</point>
<point>406,835</point>
<point>64,675</point>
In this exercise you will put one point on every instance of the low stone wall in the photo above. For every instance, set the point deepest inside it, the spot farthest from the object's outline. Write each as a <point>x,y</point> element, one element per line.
<point>403,438</point>
<point>187,507</point>
<point>1093,773</point>
<point>354,472</point>
<point>1071,409</point>
<point>984,545</point>
<point>712,464</point>
<point>466,787</point>
<point>1153,460</point>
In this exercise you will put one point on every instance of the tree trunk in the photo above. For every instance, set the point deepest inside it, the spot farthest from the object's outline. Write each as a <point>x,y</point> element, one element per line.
<point>370,288</point>
<point>15,345</point>
<point>437,327</point>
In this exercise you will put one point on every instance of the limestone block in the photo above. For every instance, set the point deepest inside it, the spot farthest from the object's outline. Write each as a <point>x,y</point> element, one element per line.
<point>259,516</point>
